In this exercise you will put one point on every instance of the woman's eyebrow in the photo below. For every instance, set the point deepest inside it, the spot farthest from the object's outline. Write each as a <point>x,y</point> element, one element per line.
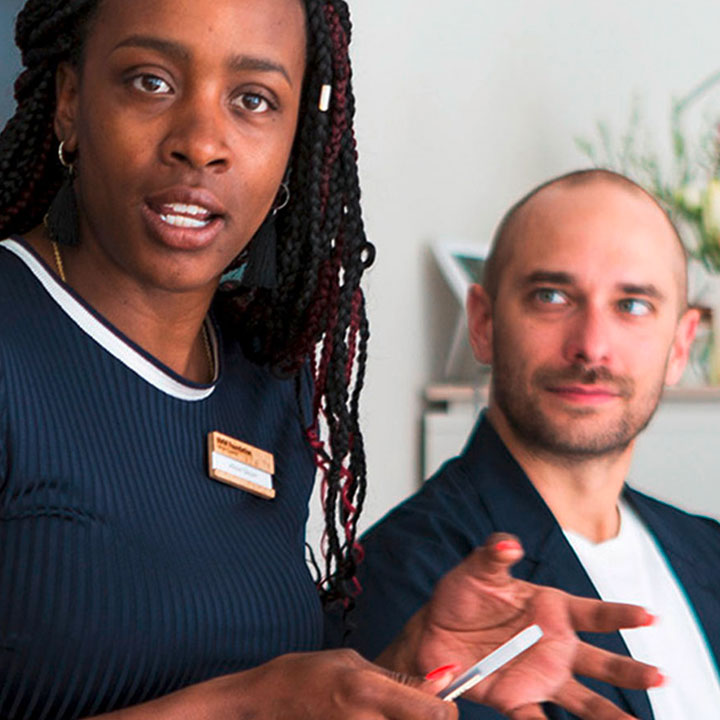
<point>250,62</point>
<point>166,47</point>
<point>176,50</point>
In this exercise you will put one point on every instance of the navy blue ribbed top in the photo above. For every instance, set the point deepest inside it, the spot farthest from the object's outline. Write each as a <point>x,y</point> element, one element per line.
<point>125,571</point>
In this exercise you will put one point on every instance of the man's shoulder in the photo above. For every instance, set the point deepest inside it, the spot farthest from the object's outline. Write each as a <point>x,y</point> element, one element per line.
<point>448,502</point>
<point>484,465</point>
<point>453,512</point>
<point>458,488</point>
<point>662,507</point>
<point>667,519</point>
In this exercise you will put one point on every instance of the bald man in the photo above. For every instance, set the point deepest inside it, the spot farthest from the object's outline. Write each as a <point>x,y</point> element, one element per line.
<point>583,315</point>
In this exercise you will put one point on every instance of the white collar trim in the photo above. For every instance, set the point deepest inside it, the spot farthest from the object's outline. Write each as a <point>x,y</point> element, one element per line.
<point>109,339</point>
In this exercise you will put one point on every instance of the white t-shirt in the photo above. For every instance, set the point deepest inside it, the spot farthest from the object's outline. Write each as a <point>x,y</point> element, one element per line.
<point>631,568</point>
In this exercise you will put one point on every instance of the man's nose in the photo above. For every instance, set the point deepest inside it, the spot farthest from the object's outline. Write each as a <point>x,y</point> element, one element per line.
<point>588,340</point>
<point>197,136</point>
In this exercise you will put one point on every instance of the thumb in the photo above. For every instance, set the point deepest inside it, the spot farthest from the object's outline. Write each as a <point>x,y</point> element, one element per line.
<point>503,548</point>
<point>491,563</point>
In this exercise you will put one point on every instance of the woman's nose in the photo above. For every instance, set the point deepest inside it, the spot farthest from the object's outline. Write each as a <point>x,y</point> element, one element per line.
<point>197,136</point>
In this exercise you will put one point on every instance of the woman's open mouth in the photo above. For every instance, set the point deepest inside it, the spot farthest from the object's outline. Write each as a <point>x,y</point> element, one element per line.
<point>184,218</point>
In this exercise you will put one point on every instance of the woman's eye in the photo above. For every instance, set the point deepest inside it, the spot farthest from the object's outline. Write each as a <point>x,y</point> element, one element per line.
<point>151,84</point>
<point>635,306</point>
<point>549,296</point>
<point>252,102</point>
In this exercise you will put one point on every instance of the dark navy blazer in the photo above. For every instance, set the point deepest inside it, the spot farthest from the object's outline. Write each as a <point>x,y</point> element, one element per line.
<point>482,491</point>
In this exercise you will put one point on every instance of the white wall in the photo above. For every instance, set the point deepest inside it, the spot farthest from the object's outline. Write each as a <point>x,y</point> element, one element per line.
<point>463,105</point>
<point>9,57</point>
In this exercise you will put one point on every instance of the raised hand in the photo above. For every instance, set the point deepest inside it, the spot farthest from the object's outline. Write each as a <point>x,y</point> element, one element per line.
<point>478,605</point>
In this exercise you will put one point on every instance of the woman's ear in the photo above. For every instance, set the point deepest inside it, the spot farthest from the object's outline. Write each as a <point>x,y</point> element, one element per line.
<point>67,88</point>
<point>479,315</point>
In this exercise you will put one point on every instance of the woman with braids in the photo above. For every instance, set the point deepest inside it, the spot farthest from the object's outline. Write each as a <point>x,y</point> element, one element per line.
<point>180,308</point>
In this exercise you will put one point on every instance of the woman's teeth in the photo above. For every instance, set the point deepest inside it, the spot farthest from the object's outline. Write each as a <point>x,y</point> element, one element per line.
<point>183,221</point>
<point>185,216</point>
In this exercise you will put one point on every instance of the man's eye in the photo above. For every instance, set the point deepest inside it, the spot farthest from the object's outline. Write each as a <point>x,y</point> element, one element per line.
<point>634,306</point>
<point>252,102</point>
<point>549,296</point>
<point>151,84</point>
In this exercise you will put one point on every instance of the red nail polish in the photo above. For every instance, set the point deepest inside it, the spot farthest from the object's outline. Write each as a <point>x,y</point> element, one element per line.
<point>507,545</point>
<point>438,672</point>
<point>660,681</point>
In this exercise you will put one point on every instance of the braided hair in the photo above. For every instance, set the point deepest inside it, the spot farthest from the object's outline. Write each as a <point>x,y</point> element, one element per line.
<point>315,316</point>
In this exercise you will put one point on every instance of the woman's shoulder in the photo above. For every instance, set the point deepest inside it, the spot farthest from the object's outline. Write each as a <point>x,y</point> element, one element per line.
<point>16,262</point>
<point>27,310</point>
<point>20,289</point>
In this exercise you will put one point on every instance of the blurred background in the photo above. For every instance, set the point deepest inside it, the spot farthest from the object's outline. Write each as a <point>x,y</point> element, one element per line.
<point>463,106</point>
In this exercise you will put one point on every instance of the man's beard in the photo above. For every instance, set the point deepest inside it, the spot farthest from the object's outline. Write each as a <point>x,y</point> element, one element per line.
<point>579,437</point>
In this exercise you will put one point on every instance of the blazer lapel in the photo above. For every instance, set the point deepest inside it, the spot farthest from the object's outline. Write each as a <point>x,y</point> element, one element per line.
<point>558,566</point>
<point>690,561</point>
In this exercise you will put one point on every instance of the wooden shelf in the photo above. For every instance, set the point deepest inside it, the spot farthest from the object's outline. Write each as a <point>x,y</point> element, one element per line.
<point>692,394</point>
<point>456,393</point>
<point>478,394</point>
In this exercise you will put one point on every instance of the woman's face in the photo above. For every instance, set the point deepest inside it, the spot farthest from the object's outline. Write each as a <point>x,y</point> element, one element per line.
<point>183,119</point>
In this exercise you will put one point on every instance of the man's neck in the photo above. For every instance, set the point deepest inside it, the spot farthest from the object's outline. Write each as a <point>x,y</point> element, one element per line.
<point>583,493</point>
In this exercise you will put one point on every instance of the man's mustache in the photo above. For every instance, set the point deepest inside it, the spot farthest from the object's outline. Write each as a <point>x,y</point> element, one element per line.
<point>582,375</point>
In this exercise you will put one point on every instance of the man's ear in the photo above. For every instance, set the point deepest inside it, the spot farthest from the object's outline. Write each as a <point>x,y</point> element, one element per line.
<point>67,88</point>
<point>680,350</point>
<point>479,314</point>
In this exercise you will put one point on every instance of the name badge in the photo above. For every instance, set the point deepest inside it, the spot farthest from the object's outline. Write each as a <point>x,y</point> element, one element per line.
<point>241,465</point>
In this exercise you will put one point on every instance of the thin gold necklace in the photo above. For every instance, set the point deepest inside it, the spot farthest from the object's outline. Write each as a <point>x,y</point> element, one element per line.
<point>205,334</point>
<point>58,261</point>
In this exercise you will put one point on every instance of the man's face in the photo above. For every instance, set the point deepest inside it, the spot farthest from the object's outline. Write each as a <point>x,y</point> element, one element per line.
<point>584,331</point>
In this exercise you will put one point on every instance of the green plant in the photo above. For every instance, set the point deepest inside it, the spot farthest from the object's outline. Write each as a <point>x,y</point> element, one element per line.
<point>690,189</point>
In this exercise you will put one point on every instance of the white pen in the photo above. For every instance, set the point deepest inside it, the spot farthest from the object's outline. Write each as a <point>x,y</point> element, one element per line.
<point>492,662</point>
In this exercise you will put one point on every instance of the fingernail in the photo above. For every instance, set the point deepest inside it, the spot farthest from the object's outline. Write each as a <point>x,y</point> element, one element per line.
<point>507,545</point>
<point>442,670</point>
<point>660,680</point>
<point>652,618</point>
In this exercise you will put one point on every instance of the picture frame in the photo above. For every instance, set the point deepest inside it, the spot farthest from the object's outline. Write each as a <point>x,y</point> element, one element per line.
<point>461,264</point>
